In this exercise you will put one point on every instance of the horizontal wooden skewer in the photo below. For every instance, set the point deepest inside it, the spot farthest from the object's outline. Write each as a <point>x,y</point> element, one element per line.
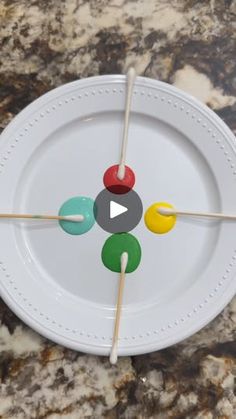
<point>172,211</point>
<point>73,218</point>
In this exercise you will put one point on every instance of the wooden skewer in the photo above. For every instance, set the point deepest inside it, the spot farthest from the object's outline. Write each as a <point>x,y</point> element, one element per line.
<point>131,75</point>
<point>74,218</point>
<point>124,262</point>
<point>170,211</point>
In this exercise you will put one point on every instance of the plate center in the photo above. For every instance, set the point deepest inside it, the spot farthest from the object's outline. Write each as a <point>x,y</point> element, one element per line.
<point>71,162</point>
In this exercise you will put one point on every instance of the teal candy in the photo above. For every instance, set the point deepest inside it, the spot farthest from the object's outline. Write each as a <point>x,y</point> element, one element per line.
<point>74,206</point>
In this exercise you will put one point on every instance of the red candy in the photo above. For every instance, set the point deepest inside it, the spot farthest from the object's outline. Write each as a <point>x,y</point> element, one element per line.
<point>115,185</point>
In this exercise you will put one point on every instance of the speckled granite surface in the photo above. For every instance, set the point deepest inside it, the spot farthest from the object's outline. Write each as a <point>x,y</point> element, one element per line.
<point>191,44</point>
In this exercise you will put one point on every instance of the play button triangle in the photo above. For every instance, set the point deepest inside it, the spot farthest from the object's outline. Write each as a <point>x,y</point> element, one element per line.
<point>116,209</point>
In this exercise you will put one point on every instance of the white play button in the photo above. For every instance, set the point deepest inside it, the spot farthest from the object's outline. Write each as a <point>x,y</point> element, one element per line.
<point>118,213</point>
<point>116,209</point>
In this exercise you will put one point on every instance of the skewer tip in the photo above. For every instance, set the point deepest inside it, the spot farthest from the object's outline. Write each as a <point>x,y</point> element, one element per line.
<point>113,355</point>
<point>131,73</point>
<point>166,211</point>
<point>74,218</point>
<point>121,172</point>
<point>124,261</point>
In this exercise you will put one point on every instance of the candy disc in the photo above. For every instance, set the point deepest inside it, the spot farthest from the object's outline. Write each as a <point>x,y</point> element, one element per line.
<point>113,248</point>
<point>115,185</point>
<point>156,222</point>
<point>78,205</point>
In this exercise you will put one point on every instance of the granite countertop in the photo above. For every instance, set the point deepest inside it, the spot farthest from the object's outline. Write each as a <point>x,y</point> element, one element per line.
<point>190,44</point>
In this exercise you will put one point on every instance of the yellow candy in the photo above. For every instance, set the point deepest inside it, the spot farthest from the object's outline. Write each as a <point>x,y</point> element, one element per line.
<point>156,222</point>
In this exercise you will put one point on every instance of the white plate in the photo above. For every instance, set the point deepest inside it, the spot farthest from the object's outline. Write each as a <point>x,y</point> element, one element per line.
<point>59,147</point>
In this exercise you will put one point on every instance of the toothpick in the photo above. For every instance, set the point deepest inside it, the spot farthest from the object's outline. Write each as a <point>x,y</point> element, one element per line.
<point>73,218</point>
<point>124,263</point>
<point>131,75</point>
<point>172,211</point>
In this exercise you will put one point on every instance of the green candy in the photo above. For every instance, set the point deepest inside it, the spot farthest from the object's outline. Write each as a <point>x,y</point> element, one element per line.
<point>113,248</point>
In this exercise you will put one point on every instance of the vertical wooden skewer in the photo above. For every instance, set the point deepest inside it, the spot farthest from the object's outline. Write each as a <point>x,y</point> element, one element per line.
<point>131,75</point>
<point>123,263</point>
